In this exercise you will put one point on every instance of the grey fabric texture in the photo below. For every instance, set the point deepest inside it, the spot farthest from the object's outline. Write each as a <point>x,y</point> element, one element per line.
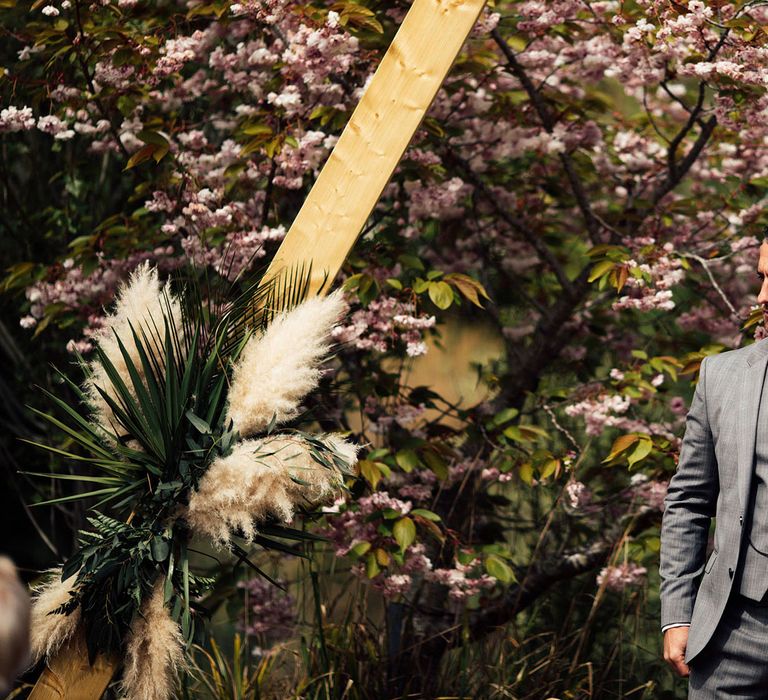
<point>753,572</point>
<point>713,479</point>
<point>733,664</point>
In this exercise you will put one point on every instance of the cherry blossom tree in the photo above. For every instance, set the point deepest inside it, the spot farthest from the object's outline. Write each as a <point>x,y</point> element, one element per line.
<point>589,181</point>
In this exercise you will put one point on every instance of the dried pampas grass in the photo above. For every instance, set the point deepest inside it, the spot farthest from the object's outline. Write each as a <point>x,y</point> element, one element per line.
<point>279,368</point>
<point>142,303</point>
<point>50,630</point>
<point>154,652</point>
<point>257,480</point>
<point>14,624</point>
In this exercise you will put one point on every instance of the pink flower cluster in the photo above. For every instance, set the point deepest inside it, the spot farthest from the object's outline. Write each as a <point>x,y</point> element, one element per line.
<point>462,581</point>
<point>578,495</point>
<point>438,201</point>
<point>647,493</point>
<point>55,126</point>
<point>268,610</point>
<point>382,416</point>
<point>16,119</point>
<point>236,255</point>
<point>597,412</point>
<point>354,525</point>
<point>382,324</point>
<point>266,11</point>
<point>295,162</point>
<point>653,283</point>
<point>87,294</point>
<point>617,578</point>
<point>314,54</point>
<point>176,53</point>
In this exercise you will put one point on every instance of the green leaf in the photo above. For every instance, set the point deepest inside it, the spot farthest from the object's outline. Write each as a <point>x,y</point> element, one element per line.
<point>640,452</point>
<point>621,444</point>
<point>420,285</point>
<point>143,154</point>
<point>371,566</point>
<point>198,422</point>
<point>411,261</point>
<point>407,460</point>
<point>441,294</point>
<point>404,532</point>
<point>256,129</point>
<point>436,463</point>
<point>160,548</point>
<point>428,514</point>
<point>603,267</point>
<point>503,416</point>
<point>499,569</point>
<point>469,287</point>
<point>372,471</point>
<point>360,548</point>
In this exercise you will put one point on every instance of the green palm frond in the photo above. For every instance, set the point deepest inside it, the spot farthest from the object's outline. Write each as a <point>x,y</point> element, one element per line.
<point>146,447</point>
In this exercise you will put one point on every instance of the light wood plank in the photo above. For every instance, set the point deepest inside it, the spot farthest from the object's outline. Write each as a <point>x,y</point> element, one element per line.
<point>69,676</point>
<point>335,211</point>
<point>376,136</point>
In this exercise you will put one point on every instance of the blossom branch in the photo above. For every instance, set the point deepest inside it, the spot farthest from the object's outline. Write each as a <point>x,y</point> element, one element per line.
<point>704,263</point>
<point>76,42</point>
<point>517,224</point>
<point>548,122</point>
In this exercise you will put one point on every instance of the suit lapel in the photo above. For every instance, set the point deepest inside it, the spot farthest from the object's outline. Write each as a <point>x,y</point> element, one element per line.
<point>751,390</point>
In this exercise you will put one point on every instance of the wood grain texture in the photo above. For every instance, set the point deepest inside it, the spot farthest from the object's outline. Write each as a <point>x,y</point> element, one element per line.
<point>69,676</point>
<point>376,136</point>
<point>335,211</point>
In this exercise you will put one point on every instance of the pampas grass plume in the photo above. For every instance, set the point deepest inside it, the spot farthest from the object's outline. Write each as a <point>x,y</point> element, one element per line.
<point>154,652</point>
<point>278,368</point>
<point>50,630</point>
<point>141,305</point>
<point>254,482</point>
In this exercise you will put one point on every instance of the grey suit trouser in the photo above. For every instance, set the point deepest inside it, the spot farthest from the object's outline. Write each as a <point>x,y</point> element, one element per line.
<point>734,663</point>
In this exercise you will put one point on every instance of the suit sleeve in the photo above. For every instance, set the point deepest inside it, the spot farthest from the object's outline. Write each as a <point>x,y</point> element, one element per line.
<point>689,505</point>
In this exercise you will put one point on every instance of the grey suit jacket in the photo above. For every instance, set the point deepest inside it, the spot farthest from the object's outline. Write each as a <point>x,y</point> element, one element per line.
<point>713,479</point>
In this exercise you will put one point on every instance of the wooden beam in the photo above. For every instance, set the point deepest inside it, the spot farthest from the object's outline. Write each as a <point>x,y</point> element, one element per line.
<point>376,136</point>
<point>334,213</point>
<point>69,676</point>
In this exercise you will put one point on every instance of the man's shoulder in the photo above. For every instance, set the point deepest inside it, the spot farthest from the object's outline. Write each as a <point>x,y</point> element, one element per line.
<point>730,359</point>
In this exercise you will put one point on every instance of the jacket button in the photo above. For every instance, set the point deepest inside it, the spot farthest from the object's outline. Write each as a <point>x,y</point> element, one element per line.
<point>730,572</point>
<point>741,520</point>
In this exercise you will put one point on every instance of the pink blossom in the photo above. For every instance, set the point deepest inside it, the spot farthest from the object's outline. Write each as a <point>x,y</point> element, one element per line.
<point>16,119</point>
<point>678,405</point>
<point>395,585</point>
<point>462,581</point>
<point>51,124</point>
<point>269,611</point>
<point>382,324</point>
<point>578,494</point>
<point>650,494</point>
<point>178,52</point>
<point>617,578</point>
<point>597,411</point>
<point>435,201</point>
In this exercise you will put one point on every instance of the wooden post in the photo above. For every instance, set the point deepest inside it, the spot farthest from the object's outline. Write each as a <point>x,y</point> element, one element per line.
<point>69,676</point>
<point>376,136</point>
<point>334,213</point>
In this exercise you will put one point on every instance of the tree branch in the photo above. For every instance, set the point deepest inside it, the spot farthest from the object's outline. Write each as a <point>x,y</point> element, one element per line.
<point>548,122</point>
<point>517,224</point>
